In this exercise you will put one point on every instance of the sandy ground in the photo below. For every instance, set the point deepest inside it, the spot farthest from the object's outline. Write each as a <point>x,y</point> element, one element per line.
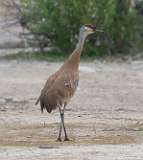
<point>104,119</point>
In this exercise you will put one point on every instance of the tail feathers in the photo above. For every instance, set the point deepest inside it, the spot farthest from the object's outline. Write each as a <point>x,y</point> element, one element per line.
<point>46,104</point>
<point>43,106</point>
<point>37,101</point>
<point>49,110</point>
<point>47,107</point>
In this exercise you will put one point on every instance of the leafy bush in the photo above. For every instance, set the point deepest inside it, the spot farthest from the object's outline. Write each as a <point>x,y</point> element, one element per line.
<point>55,23</point>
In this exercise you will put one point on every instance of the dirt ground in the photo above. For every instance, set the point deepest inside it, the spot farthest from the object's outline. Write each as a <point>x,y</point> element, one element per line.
<point>104,119</point>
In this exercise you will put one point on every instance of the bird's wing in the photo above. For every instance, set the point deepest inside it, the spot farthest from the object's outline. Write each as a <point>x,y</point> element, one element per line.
<point>47,85</point>
<point>61,84</point>
<point>65,84</point>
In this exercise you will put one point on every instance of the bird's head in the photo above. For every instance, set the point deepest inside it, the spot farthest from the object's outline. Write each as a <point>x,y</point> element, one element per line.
<point>89,29</point>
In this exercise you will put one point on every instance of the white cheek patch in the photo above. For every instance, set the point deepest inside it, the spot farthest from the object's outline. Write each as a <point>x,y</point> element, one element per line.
<point>88,29</point>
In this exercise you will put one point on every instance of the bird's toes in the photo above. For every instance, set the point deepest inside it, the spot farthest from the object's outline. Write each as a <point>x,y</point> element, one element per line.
<point>59,140</point>
<point>67,139</point>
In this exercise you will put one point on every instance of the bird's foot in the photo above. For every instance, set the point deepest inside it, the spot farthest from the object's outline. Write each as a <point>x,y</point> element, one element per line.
<point>67,139</point>
<point>59,139</point>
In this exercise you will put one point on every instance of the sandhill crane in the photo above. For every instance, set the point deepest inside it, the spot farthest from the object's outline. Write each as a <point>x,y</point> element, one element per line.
<point>61,86</point>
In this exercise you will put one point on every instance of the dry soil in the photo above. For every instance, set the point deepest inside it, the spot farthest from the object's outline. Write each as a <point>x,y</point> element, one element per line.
<point>104,119</point>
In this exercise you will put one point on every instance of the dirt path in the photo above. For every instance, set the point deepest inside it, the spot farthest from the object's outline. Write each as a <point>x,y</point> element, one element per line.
<point>104,119</point>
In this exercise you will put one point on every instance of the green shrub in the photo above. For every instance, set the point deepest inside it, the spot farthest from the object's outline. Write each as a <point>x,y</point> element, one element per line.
<point>55,23</point>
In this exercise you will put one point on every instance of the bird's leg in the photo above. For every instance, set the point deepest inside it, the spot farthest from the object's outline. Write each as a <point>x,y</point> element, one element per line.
<point>62,119</point>
<point>60,131</point>
<point>62,125</point>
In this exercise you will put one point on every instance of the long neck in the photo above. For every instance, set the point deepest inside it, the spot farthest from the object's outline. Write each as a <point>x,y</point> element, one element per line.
<point>80,43</point>
<point>74,59</point>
